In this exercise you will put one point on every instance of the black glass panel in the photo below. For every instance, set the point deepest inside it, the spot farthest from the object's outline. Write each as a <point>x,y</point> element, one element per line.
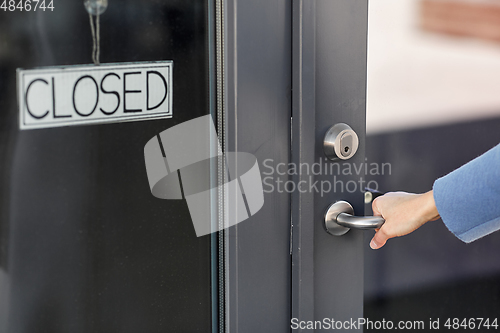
<point>84,246</point>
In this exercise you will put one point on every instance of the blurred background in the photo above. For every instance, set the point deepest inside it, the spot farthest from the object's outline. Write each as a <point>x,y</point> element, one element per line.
<point>432,62</point>
<point>433,105</point>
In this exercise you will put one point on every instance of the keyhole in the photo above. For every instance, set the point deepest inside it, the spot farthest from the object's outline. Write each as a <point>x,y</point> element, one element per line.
<point>346,149</point>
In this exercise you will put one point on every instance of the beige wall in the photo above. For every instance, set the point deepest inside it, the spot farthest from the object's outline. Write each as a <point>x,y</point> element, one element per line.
<point>418,79</point>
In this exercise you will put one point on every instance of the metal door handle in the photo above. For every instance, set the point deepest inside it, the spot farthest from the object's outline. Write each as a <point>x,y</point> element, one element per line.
<point>339,219</point>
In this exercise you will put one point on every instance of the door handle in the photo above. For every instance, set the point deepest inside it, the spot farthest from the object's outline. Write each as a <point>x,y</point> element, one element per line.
<point>339,219</point>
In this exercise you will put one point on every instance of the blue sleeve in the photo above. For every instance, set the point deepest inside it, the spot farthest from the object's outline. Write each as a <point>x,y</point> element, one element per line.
<point>468,199</point>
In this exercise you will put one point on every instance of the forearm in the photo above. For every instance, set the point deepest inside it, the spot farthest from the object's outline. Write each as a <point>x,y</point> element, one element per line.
<point>468,199</point>
<point>429,211</point>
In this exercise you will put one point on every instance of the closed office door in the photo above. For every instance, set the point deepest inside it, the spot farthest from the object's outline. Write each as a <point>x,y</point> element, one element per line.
<point>88,245</point>
<point>285,272</point>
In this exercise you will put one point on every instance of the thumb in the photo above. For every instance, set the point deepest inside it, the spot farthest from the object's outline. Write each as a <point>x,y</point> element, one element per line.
<point>378,240</point>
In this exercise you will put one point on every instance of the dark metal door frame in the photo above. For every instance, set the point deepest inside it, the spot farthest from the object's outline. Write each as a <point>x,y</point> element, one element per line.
<point>329,83</point>
<point>281,264</point>
<point>257,103</point>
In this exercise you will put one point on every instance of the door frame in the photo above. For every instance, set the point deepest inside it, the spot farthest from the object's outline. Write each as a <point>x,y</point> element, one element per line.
<point>257,84</point>
<point>330,57</point>
<point>303,60</point>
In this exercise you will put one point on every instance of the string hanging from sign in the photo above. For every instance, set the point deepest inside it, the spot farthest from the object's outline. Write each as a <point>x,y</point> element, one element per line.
<point>95,8</point>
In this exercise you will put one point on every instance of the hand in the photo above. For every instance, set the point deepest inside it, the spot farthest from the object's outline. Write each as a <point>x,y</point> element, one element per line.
<point>403,214</point>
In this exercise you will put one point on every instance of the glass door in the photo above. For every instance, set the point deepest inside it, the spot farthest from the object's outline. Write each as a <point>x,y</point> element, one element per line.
<point>85,246</point>
<point>152,226</point>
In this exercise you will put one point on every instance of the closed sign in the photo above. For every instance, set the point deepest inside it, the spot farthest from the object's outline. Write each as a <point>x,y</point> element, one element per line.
<point>73,95</point>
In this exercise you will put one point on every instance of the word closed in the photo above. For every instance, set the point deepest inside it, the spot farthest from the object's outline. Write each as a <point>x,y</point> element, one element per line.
<point>63,96</point>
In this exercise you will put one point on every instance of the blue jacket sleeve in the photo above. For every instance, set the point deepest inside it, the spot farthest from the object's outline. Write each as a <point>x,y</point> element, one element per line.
<point>468,199</point>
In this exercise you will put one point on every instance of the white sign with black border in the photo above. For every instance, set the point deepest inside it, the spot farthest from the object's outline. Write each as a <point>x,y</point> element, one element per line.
<point>88,94</point>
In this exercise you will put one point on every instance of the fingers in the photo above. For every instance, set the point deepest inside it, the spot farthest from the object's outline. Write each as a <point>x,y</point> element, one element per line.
<point>379,239</point>
<point>403,214</point>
